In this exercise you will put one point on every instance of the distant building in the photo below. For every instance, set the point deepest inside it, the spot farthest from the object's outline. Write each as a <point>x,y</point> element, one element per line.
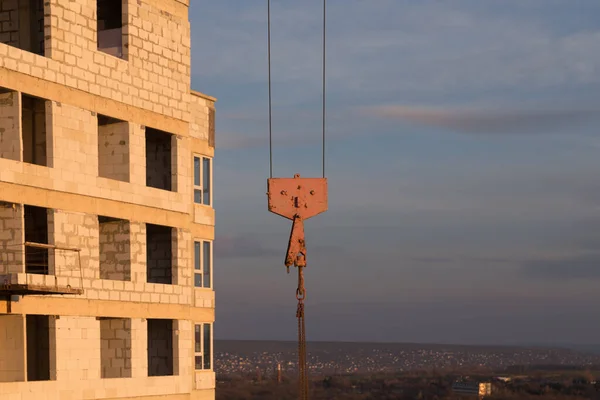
<point>480,389</point>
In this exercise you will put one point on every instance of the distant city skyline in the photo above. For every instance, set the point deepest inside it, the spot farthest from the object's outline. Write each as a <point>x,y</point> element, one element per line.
<point>463,168</point>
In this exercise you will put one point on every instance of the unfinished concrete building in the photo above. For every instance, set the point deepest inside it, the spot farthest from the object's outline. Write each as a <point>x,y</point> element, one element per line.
<point>106,208</point>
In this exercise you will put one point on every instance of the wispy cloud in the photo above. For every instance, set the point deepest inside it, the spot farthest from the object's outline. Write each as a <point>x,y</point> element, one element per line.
<point>580,267</point>
<point>238,246</point>
<point>482,121</point>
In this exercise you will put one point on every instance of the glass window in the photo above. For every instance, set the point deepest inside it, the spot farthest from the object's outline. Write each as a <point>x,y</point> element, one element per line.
<point>203,346</point>
<point>207,264</point>
<point>207,345</point>
<point>196,171</point>
<point>197,260</point>
<point>203,264</point>
<point>198,339</point>
<point>206,180</point>
<point>202,180</point>
<point>197,265</point>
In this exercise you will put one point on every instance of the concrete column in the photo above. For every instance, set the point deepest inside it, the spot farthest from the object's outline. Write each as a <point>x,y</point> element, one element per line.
<point>138,253</point>
<point>12,237</point>
<point>182,257</point>
<point>137,154</point>
<point>139,346</point>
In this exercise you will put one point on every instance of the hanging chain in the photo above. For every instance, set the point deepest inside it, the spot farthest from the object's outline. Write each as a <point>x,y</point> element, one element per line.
<point>302,370</point>
<point>300,262</point>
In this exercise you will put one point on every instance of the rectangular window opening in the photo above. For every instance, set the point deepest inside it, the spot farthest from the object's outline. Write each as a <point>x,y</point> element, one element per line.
<point>203,264</point>
<point>111,33</point>
<point>202,180</point>
<point>203,344</point>
<point>160,347</point>
<point>115,347</point>
<point>22,25</point>
<point>159,159</point>
<point>33,126</point>
<point>159,254</point>
<point>114,248</point>
<point>113,148</point>
<point>38,347</point>
<point>36,232</point>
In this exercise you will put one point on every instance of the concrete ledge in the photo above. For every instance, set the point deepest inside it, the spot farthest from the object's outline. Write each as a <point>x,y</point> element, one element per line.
<point>72,306</point>
<point>150,388</point>
<point>202,95</point>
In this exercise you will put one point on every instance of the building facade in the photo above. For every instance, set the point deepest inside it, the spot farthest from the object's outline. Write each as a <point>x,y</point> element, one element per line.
<point>106,203</point>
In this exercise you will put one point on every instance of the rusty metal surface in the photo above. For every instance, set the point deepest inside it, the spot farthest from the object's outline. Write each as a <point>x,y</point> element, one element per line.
<point>296,251</point>
<point>27,289</point>
<point>298,199</point>
<point>303,197</point>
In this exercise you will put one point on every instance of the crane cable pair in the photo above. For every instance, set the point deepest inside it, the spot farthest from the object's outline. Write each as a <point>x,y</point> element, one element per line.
<point>297,199</point>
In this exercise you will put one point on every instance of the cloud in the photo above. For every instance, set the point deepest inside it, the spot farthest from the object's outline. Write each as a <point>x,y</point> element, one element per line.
<point>580,267</point>
<point>388,50</point>
<point>237,246</point>
<point>235,141</point>
<point>489,121</point>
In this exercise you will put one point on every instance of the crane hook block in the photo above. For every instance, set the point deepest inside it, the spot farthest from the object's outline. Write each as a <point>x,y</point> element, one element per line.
<point>297,197</point>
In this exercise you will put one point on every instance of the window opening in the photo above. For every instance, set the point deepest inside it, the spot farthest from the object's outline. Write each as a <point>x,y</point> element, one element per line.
<point>202,180</point>
<point>36,231</point>
<point>203,345</point>
<point>114,248</point>
<point>159,159</point>
<point>115,347</point>
<point>113,148</point>
<point>110,27</point>
<point>33,126</point>
<point>159,254</point>
<point>38,347</point>
<point>22,25</point>
<point>203,264</point>
<point>160,347</point>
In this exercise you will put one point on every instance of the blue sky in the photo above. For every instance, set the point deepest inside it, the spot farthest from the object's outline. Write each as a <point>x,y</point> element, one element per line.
<point>461,157</point>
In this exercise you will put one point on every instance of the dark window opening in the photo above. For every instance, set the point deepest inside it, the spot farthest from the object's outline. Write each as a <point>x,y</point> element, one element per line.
<point>110,27</point>
<point>158,159</point>
<point>33,123</point>
<point>114,249</point>
<point>22,25</point>
<point>159,254</point>
<point>160,347</point>
<point>38,347</point>
<point>115,347</point>
<point>36,231</point>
